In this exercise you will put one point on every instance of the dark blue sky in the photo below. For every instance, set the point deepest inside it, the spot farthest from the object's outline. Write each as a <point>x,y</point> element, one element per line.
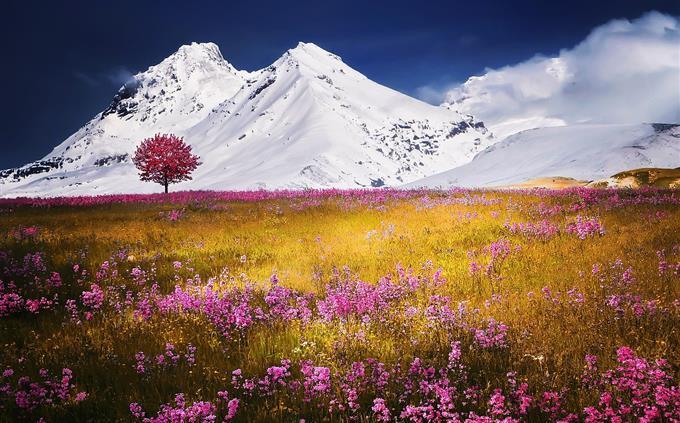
<point>65,60</point>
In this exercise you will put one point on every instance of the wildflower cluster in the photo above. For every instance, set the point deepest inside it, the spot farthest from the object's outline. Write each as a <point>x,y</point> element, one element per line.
<point>636,389</point>
<point>543,230</point>
<point>585,227</point>
<point>29,394</point>
<point>181,324</point>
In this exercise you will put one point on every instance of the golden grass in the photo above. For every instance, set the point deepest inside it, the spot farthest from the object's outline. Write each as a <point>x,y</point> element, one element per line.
<point>302,248</point>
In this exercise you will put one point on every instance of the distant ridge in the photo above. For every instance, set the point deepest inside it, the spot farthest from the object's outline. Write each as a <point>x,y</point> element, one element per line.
<point>580,152</point>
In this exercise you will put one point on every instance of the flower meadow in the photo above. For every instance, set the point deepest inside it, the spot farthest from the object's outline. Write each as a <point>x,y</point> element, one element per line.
<point>331,305</point>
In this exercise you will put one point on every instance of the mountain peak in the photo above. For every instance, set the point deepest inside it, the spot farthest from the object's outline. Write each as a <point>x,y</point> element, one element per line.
<point>181,89</point>
<point>307,46</point>
<point>198,52</point>
<point>195,48</point>
<point>302,44</point>
<point>195,61</point>
<point>305,51</point>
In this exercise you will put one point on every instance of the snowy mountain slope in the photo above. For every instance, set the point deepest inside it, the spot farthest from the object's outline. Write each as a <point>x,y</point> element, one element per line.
<point>169,97</point>
<point>311,120</point>
<point>583,152</point>
<point>308,120</point>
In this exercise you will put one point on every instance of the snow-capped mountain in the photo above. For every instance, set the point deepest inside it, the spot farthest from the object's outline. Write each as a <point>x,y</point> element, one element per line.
<point>308,120</point>
<point>582,152</point>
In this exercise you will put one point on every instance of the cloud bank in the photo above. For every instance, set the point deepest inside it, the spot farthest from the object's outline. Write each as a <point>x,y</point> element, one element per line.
<point>623,72</point>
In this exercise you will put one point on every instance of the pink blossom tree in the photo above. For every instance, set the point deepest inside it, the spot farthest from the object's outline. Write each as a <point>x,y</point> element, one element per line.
<point>165,159</point>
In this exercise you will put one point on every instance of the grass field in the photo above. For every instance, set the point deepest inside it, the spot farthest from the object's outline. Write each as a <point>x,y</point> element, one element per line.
<point>531,305</point>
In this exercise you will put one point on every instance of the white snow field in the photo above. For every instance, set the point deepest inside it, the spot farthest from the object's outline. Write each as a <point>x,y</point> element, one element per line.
<point>582,152</point>
<point>307,120</point>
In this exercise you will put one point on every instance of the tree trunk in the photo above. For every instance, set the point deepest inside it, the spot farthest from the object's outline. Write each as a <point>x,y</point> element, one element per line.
<point>165,183</point>
<point>166,187</point>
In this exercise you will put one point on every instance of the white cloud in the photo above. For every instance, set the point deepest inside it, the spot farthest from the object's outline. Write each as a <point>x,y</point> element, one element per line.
<point>119,76</point>
<point>623,72</point>
<point>434,94</point>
